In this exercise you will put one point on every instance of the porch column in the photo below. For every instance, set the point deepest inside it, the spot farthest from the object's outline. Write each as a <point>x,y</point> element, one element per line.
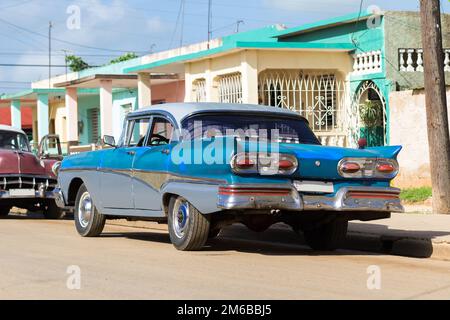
<point>106,108</point>
<point>249,70</point>
<point>72,116</point>
<point>144,90</point>
<point>187,83</point>
<point>210,97</point>
<point>42,115</point>
<point>16,117</point>
<point>34,121</point>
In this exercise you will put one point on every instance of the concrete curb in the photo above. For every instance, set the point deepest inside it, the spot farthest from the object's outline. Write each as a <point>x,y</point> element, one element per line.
<point>401,246</point>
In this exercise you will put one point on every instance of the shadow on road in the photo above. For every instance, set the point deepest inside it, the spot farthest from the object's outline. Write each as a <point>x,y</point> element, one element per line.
<point>277,241</point>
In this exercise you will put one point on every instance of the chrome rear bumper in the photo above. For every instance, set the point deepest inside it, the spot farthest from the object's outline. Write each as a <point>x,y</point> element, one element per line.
<point>357,199</point>
<point>286,197</point>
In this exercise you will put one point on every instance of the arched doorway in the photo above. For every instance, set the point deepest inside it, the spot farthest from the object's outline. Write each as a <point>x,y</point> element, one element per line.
<point>369,115</point>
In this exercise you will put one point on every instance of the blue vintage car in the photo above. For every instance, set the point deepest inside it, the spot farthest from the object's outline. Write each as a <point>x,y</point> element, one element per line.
<point>203,166</point>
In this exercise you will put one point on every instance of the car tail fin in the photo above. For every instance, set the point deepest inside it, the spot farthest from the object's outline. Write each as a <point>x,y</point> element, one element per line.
<point>390,152</point>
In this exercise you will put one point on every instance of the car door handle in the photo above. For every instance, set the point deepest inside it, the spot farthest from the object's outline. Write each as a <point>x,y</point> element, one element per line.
<point>165,151</point>
<point>131,153</point>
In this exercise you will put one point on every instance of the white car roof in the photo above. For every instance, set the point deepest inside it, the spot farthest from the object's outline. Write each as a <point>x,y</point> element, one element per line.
<point>181,110</point>
<point>11,129</point>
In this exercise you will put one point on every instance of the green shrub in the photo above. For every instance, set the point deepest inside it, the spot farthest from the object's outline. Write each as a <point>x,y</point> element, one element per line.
<point>416,194</point>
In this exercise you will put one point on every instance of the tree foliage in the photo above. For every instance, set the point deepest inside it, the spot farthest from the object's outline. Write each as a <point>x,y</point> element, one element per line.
<point>76,63</point>
<point>125,57</point>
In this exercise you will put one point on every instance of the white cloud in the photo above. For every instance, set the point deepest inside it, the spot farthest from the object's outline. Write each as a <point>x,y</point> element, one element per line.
<point>155,25</point>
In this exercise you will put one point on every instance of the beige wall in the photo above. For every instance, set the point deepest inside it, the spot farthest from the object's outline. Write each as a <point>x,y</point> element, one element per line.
<point>169,92</point>
<point>58,113</point>
<point>312,60</point>
<point>408,128</point>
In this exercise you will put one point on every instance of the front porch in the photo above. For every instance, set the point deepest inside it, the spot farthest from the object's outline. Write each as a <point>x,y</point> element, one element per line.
<point>311,79</point>
<point>96,105</point>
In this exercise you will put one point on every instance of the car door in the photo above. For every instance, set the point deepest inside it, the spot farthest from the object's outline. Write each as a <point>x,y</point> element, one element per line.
<point>117,167</point>
<point>151,163</point>
<point>29,164</point>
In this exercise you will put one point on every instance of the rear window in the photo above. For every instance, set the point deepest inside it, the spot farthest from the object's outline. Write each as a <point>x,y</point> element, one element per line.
<point>287,129</point>
<point>14,141</point>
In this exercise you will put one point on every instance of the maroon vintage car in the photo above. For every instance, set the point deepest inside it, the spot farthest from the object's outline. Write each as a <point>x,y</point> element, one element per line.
<point>28,181</point>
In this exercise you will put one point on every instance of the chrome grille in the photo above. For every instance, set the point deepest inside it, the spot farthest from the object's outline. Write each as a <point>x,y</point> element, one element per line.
<point>26,182</point>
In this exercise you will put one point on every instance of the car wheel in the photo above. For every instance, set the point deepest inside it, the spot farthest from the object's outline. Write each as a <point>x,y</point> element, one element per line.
<point>328,236</point>
<point>53,212</point>
<point>188,228</point>
<point>4,211</point>
<point>88,221</point>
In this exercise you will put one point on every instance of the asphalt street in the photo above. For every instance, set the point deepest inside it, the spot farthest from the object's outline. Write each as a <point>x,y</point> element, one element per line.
<point>42,259</point>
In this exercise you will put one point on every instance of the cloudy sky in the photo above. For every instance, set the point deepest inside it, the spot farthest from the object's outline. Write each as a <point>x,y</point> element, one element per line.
<point>109,28</point>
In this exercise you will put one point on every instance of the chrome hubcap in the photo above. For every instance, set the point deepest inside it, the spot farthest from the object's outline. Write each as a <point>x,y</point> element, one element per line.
<point>85,210</point>
<point>180,217</point>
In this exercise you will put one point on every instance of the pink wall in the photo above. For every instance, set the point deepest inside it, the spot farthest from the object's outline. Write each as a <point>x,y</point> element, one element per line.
<point>170,92</point>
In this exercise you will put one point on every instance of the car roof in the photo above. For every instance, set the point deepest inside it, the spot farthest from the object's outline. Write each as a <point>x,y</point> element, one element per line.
<point>179,111</point>
<point>11,129</point>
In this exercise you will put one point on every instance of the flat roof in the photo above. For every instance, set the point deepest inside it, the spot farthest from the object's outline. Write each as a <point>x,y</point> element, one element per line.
<point>328,23</point>
<point>239,46</point>
<point>118,80</point>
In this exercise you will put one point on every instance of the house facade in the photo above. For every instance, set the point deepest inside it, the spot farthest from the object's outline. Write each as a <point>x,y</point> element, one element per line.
<point>340,74</point>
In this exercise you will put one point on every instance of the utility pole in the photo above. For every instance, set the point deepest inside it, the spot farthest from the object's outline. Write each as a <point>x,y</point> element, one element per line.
<point>209,21</point>
<point>66,53</point>
<point>238,23</point>
<point>50,26</point>
<point>436,105</point>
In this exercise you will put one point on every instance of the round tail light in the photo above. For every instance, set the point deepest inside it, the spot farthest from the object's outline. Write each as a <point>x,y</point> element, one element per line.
<point>245,163</point>
<point>286,164</point>
<point>350,167</point>
<point>385,168</point>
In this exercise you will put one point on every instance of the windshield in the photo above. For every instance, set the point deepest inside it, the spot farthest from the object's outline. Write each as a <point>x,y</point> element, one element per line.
<point>272,127</point>
<point>13,141</point>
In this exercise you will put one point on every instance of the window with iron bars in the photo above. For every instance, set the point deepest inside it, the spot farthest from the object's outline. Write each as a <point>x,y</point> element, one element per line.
<point>230,88</point>
<point>199,90</point>
<point>319,97</point>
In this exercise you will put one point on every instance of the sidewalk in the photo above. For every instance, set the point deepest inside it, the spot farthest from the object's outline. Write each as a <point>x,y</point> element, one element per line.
<point>407,234</point>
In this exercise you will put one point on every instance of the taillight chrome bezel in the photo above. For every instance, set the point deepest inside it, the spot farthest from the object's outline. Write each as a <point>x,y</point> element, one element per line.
<point>369,168</point>
<point>264,164</point>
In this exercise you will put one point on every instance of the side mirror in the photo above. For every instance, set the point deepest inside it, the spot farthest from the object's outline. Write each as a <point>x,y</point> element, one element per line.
<point>109,141</point>
<point>362,143</point>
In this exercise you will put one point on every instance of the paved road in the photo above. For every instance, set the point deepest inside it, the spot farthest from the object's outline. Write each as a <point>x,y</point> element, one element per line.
<point>134,263</point>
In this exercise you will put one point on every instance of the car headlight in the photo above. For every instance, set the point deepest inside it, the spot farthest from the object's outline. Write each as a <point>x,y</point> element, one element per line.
<point>55,168</point>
